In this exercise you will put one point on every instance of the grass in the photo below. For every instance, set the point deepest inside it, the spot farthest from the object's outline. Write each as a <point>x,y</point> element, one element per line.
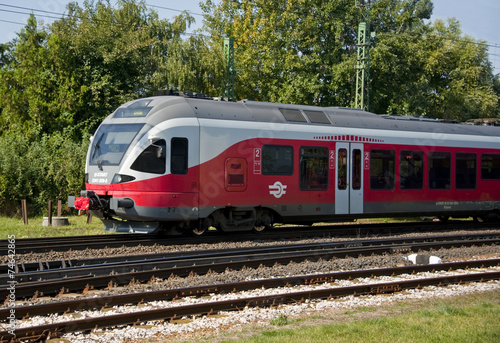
<point>78,226</point>
<point>469,318</point>
<point>281,320</point>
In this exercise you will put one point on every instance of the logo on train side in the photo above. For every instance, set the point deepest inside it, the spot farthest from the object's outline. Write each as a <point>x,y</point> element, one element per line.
<point>278,189</point>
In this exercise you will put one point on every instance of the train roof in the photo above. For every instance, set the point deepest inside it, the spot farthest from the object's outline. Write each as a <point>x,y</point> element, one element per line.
<point>161,108</point>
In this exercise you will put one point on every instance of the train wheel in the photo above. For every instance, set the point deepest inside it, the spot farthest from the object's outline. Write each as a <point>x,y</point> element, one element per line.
<point>202,227</point>
<point>480,219</point>
<point>259,228</point>
<point>265,223</point>
<point>443,219</point>
<point>198,231</point>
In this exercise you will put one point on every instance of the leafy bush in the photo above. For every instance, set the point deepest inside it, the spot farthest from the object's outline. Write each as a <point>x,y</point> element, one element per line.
<point>47,167</point>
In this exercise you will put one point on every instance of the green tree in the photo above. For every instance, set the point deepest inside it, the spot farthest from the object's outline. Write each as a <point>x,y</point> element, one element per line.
<point>459,74</point>
<point>193,66</point>
<point>23,92</point>
<point>433,70</point>
<point>84,65</point>
<point>496,89</point>
<point>303,51</point>
<point>288,51</point>
<point>59,82</point>
<point>113,54</point>
<point>48,168</point>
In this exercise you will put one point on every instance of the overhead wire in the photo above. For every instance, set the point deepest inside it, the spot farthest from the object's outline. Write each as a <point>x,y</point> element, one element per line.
<point>173,9</point>
<point>477,41</point>
<point>12,22</point>
<point>58,15</point>
<point>49,14</point>
<point>31,9</point>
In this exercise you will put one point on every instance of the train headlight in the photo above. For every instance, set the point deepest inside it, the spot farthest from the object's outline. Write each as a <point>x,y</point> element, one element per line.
<point>120,178</point>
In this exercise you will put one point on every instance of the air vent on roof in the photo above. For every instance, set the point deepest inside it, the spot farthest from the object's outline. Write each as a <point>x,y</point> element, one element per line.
<point>317,117</point>
<point>183,94</point>
<point>397,117</point>
<point>293,115</point>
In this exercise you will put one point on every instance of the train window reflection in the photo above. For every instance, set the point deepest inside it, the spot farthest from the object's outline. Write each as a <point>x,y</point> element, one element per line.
<point>179,156</point>
<point>465,171</point>
<point>111,142</point>
<point>277,160</point>
<point>490,166</point>
<point>342,169</point>
<point>382,164</point>
<point>152,159</point>
<point>356,169</point>
<point>411,169</point>
<point>439,170</point>
<point>313,168</point>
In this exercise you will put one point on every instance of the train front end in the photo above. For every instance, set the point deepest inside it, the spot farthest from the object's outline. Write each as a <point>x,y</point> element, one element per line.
<point>140,175</point>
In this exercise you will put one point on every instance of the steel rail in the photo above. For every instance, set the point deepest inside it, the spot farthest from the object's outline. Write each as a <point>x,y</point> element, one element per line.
<point>87,278</point>
<point>27,245</point>
<point>57,329</point>
<point>44,244</point>
<point>172,294</point>
<point>148,258</point>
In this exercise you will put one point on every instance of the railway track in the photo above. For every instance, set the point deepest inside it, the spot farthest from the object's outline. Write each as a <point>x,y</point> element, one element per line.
<point>121,272</point>
<point>213,307</point>
<point>487,238</point>
<point>42,245</point>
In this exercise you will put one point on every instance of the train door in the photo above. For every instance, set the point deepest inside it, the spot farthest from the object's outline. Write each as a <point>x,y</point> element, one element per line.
<point>349,178</point>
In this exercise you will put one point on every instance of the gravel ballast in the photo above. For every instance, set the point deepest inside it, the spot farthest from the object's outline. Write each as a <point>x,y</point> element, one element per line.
<point>188,328</point>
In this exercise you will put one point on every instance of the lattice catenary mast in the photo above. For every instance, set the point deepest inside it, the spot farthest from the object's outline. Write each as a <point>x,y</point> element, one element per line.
<point>229,75</point>
<point>363,60</point>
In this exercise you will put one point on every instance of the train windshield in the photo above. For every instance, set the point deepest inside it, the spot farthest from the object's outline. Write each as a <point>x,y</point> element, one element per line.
<point>111,142</point>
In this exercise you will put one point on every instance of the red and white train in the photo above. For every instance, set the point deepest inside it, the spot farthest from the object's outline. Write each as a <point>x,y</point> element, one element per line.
<point>173,162</point>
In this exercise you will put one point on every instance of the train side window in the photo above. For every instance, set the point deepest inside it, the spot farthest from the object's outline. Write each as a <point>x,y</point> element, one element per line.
<point>152,159</point>
<point>382,163</point>
<point>465,170</point>
<point>490,166</point>
<point>342,169</point>
<point>313,168</point>
<point>439,170</point>
<point>411,169</point>
<point>179,156</point>
<point>277,160</point>
<point>356,169</point>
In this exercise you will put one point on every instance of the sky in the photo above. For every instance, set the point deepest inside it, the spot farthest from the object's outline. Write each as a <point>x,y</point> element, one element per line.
<point>478,18</point>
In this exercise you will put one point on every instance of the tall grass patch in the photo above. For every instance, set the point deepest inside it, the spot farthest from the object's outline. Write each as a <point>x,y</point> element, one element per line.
<point>78,226</point>
<point>472,318</point>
